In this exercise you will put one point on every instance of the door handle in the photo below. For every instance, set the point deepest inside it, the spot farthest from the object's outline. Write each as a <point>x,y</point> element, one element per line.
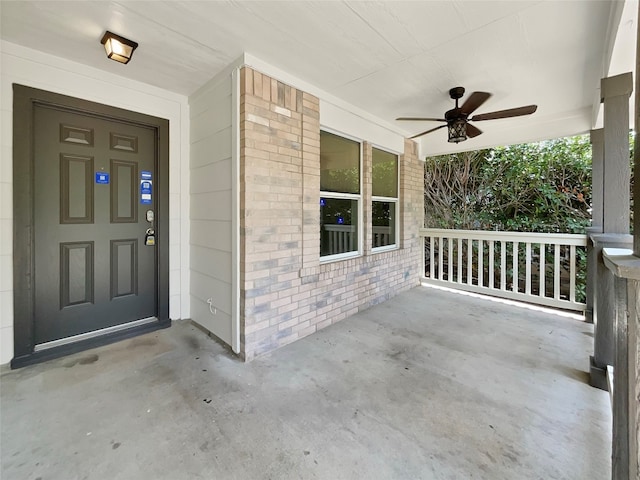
<point>150,237</point>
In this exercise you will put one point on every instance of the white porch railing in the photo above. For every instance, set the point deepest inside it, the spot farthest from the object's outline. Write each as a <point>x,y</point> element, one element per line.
<point>342,238</point>
<point>381,236</point>
<point>339,238</point>
<point>492,263</point>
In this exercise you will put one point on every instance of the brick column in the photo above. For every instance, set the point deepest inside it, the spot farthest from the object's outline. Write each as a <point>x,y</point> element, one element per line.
<point>310,185</point>
<point>412,200</point>
<point>279,158</point>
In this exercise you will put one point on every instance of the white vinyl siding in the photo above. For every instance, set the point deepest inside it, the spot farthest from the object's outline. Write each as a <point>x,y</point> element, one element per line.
<point>211,207</point>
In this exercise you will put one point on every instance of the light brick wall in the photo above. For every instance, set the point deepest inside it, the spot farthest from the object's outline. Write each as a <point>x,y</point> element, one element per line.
<point>285,293</point>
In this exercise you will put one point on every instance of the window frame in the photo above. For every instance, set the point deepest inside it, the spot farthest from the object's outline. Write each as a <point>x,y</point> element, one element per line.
<point>347,196</point>
<point>394,200</point>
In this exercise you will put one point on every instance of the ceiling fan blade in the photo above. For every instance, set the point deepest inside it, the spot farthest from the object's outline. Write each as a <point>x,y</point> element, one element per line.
<point>420,119</point>
<point>474,101</point>
<point>512,112</point>
<point>473,131</point>
<point>428,131</point>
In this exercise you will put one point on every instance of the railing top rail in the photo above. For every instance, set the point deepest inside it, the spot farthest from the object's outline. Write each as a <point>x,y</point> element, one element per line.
<point>524,237</point>
<point>339,228</point>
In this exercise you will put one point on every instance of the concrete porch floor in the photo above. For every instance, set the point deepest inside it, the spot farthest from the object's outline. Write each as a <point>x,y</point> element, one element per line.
<point>429,384</point>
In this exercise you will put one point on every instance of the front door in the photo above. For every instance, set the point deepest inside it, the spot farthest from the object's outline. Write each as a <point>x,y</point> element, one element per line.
<point>95,260</point>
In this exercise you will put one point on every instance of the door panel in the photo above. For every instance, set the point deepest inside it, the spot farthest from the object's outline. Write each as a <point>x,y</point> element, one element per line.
<point>76,189</point>
<point>124,268</point>
<point>76,273</point>
<point>123,191</point>
<point>92,267</point>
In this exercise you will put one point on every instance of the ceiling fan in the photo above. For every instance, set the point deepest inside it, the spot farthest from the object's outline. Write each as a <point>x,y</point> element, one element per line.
<point>457,119</point>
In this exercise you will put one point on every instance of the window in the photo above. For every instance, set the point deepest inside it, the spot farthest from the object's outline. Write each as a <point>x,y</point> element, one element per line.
<point>339,197</point>
<point>384,205</point>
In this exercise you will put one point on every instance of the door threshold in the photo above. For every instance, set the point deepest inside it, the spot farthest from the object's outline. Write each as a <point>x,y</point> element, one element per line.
<point>46,351</point>
<point>96,333</point>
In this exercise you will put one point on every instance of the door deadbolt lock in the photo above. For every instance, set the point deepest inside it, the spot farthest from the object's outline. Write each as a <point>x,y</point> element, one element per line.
<point>150,216</point>
<point>150,237</point>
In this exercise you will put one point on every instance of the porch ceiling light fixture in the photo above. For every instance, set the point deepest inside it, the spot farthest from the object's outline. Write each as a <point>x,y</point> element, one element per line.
<point>457,130</point>
<point>118,48</point>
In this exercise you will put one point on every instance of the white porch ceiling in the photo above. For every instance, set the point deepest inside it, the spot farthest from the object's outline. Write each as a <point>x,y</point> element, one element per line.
<point>388,58</point>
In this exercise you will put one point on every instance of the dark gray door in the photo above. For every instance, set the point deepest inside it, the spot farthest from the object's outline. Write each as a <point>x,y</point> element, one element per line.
<point>93,269</point>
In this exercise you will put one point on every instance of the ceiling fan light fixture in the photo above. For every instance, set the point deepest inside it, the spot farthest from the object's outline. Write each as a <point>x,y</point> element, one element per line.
<point>118,48</point>
<point>456,119</point>
<point>457,130</point>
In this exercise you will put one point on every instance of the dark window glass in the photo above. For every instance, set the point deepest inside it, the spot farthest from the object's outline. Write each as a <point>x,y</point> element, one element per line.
<point>385,174</point>
<point>338,226</point>
<point>339,164</point>
<point>384,224</point>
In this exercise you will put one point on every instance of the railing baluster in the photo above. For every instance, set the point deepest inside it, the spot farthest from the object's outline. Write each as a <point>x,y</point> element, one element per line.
<point>572,274</point>
<point>424,257</point>
<point>556,271</point>
<point>469,261</point>
<point>543,276</point>
<point>450,259</point>
<point>514,279</point>
<point>431,256</point>
<point>503,265</point>
<point>562,295</point>
<point>460,265</point>
<point>527,279</point>
<point>491,274</point>
<point>440,255</point>
<point>480,263</point>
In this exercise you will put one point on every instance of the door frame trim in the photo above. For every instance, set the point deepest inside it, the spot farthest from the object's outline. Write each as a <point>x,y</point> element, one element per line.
<point>25,100</point>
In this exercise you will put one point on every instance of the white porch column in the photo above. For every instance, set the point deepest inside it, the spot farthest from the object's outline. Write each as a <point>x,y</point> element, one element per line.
<point>611,215</point>
<point>597,183</point>
<point>603,306</point>
<point>597,179</point>
<point>617,172</point>
<point>625,266</point>
<point>636,156</point>
<point>625,456</point>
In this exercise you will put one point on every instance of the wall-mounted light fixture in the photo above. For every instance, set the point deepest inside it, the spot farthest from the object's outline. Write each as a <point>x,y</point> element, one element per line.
<point>118,48</point>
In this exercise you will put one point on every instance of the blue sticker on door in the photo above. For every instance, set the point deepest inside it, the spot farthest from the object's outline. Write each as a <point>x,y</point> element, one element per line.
<point>145,192</point>
<point>102,178</point>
